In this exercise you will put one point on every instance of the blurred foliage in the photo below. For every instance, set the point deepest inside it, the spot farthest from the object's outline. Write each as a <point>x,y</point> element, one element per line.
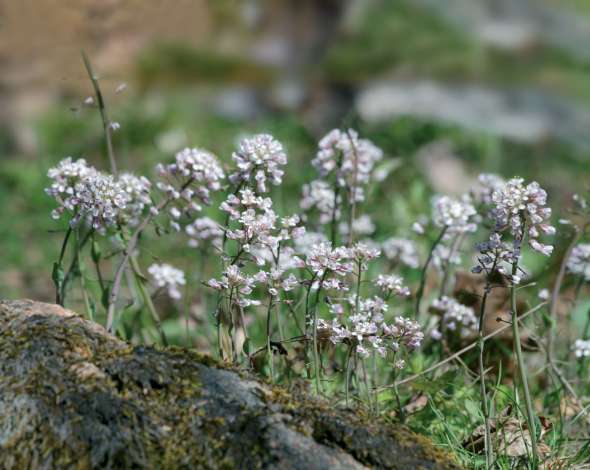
<point>175,63</point>
<point>403,38</point>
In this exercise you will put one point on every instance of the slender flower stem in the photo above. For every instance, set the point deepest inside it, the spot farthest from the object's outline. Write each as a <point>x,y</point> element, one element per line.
<point>103,113</point>
<point>147,299</point>
<point>128,251</point>
<point>420,292</point>
<point>81,269</point>
<point>348,371</point>
<point>522,369</point>
<point>58,266</point>
<point>72,268</point>
<point>316,354</point>
<point>400,408</point>
<point>334,222</point>
<point>353,190</point>
<point>268,340</point>
<point>482,382</point>
<point>447,269</point>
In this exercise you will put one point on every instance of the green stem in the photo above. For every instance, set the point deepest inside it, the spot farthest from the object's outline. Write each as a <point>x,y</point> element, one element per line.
<point>347,380</point>
<point>522,369</point>
<point>57,278</point>
<point>420,292</point>
<point>316,355</point>
<point>268,340</point>
<point>106,124</point>
<point>147,299</point>
<point>482,383</point>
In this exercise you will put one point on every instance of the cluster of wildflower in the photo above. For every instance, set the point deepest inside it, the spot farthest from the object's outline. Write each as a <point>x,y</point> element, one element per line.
<point>392,285</point>
<point>322,259</point>
<point>494,253</point>
<point>487,184</point>
<point>319,195</point>
<point>455,317</point>
<point>203,230</point>
<point>361,253</point>
<point>444,256</point>
<point>367,331</point>
<point>401,250</point>
<point>258,222</point>
<point>517,206</point>
<point>169,277</point>
<point>66,175</point>
<point>138,190</point>
<point>305,243</point>
<point>352,159</point>
<point>582,348</point>
<point>276,281</point>
<point>362,225</point>
<point>579,261</point>
<point>90,195</point>
<point>192,176</point>
<point>235,283</point>
<point>261,156</point>
<point>457,215</point>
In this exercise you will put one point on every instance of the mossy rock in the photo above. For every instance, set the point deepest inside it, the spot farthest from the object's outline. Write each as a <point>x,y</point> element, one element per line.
<point>73,396</point>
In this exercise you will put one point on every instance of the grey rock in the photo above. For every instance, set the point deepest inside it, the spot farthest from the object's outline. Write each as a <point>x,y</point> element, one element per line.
<point>73,396</point>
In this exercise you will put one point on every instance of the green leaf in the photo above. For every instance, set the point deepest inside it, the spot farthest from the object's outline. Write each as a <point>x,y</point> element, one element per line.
<point>95,252</point>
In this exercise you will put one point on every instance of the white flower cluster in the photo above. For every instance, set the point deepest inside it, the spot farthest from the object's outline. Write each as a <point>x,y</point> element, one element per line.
<point>90,195</point>
<point>352,159</point>
<point>362,225</point>
<point>319,195</point>
<point>261,156</point>
<point>204,229</point>
<point>362,253</point>
<point>444,256</point>
<point>169,277</point>
<point>258,222</point>
<point>517,205</point>
<point>401,250</point>
<point>493,254</point>
<point>456,317</point>
<point>66,175</point>
<point>582,348</point>
<point>579,261</point>
<point>138,189</point>
<point>194,174</point>
<point>391,284</point>
<point>323,259</point>
<point>366,329</point>
<point>455,214</point>
<point>276,281</point>
<point>487,184</point>
<point>236,283</point>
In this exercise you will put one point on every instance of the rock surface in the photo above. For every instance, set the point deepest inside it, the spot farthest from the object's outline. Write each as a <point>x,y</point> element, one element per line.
<point>73,396</point>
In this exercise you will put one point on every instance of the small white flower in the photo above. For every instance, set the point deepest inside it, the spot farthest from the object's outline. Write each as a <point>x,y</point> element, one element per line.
<point>393,285</point>
<point>582,348</point>
<point>456,317</point>
<point>169,277</point>
<point>455,214</point>
<point>544,294</point>
<point>401,250</point>
<point>579,261</point>
<point>261,156</point>
<point>516,205</point>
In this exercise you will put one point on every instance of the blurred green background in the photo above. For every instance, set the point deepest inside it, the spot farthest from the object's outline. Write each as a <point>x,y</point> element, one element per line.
<point>448,89</point>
